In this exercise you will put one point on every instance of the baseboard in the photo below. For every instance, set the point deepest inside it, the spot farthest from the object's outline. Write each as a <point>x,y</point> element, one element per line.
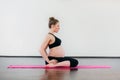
<point>66,56</point>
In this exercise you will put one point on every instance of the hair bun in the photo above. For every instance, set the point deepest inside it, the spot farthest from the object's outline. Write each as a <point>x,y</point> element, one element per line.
<point>52,21</point>
<point>51,18</point>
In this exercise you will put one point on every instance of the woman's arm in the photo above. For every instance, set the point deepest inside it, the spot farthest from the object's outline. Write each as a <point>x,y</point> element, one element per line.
<point>44,47</point>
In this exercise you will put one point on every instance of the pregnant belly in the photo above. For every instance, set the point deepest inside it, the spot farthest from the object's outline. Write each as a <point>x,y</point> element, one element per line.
<point>57,52</point>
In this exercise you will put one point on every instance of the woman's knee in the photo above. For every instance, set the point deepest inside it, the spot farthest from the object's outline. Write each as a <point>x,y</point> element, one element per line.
<point>73,63</point>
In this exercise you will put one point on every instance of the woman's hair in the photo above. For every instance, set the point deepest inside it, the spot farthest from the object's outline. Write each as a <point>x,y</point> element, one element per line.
<point>52,21</point>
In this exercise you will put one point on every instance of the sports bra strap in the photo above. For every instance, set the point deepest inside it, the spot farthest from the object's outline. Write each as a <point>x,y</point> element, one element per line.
<point>51,34</point>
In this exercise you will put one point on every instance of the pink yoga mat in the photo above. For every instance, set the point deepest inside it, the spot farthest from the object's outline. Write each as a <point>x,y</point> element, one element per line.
<point>44,67</point>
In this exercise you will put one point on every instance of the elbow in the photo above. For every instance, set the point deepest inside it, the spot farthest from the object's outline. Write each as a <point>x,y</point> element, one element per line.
<point>41,50</point>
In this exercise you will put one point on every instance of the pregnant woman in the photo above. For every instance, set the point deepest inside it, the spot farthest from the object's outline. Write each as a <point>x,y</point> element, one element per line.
<point>56,55</point>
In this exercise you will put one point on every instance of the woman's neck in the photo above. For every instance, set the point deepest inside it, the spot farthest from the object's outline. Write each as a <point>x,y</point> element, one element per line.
<point>51,32</point>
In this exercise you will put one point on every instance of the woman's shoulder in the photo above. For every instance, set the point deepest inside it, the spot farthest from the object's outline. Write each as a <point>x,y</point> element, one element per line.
<point>49,36</point>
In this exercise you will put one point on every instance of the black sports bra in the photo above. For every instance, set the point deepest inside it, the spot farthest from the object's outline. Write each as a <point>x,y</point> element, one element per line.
<point>56,43</point>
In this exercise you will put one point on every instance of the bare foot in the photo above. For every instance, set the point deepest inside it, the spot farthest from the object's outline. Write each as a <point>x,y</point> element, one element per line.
<point>50,65</point>
<point>53,61</point>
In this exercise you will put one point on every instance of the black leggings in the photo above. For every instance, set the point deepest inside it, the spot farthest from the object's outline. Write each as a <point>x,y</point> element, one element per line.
<point>73,62</point>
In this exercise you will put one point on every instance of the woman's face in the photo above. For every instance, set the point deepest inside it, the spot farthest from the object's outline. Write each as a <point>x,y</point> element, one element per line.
<point>56,27</point>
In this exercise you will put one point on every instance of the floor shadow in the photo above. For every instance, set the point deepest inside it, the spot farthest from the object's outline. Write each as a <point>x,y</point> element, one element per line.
<point>57,74</point>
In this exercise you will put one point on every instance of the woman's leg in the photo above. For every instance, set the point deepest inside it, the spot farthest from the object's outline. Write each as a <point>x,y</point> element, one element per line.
<point>73,62</point>
<point>63,63</point>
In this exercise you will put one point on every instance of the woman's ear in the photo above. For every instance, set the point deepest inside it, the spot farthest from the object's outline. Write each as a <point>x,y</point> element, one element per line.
<point>52,26</point>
